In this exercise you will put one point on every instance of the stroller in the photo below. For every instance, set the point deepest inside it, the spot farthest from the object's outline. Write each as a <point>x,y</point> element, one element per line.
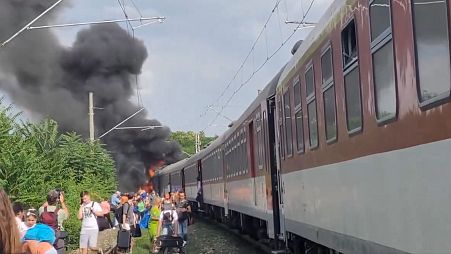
<point>168,242</point>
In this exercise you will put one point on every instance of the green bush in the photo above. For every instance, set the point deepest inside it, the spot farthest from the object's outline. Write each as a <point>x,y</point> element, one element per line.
<point>35,158</point>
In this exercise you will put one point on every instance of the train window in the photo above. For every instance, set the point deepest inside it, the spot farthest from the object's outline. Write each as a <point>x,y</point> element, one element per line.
<point>246,158</point>
<point>327,67</point>
<point>313,124</point>
<point>299,131</point>
<point>281,132</point>
<point>384,82</point>
<point>287,119</point>
<point>353,101</point>
<point>297,91</point>
<point>310,82</point>
<point>380,20</point>
<point>329,114</point>
<point>329,95</point>
<point>259,142</point>
<point>311,107</point>
<point>382,57</point>
<point>349,44</point>
<point>432,49</point>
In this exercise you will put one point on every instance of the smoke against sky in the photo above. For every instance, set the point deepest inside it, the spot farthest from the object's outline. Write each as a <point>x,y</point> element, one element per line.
<point>48,79</point>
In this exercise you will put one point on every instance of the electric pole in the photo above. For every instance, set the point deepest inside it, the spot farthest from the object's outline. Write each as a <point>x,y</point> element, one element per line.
<point>198,142</point>
<point>91,117</point>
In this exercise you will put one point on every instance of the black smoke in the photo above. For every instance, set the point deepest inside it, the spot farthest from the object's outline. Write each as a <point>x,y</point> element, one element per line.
<point>50,80</point>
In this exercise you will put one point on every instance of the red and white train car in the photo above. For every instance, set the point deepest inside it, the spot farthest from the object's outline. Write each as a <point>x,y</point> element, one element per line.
<point>364,128</point>
<point>347,149</point>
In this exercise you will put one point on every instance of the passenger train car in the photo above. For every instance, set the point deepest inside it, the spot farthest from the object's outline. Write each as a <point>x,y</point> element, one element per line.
<point>346,148</point>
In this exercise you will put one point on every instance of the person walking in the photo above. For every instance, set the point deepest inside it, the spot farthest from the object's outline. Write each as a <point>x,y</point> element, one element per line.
<point>183,211</point>
<point>154,218</point>
<point>89,228</point>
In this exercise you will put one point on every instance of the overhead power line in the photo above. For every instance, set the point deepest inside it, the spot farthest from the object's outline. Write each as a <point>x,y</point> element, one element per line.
<point>299,25</point>
<point>245,59</point>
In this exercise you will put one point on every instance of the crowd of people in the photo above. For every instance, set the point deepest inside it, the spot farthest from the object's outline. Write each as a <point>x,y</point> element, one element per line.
<point>41,231</point>
<point>169,214</point>
<point>34,231</point>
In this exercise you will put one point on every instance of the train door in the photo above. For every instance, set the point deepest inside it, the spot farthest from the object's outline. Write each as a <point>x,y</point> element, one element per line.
<point>200,191</point>
<point>277,199</point>
<point>224,161</point>
<point>182,175</point>
<point>252,160</point>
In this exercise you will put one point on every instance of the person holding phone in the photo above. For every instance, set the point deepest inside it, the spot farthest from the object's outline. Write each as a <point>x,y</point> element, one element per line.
<point>89,228</point>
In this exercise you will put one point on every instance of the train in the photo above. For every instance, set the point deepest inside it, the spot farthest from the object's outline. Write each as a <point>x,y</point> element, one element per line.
<point>346,149</point>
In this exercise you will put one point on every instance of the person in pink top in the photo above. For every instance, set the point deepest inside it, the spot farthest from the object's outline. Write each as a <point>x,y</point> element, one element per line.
<point>106,208</point>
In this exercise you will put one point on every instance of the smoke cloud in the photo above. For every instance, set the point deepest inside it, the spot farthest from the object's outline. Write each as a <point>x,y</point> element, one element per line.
<point>49,80</point>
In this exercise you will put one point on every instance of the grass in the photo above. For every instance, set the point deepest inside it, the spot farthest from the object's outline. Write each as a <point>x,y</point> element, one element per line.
<point>142,244</point>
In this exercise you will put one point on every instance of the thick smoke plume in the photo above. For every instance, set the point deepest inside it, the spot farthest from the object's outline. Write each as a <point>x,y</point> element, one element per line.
<point>48,79</point>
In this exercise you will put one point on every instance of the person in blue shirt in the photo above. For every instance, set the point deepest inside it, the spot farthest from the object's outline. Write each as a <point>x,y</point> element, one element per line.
<point>115,202</point>
<point>115,199</point>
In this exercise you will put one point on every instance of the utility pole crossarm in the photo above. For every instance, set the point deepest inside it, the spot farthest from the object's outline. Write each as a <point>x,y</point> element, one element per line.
<point>29,24</point>
<point>150,21</point>
<point>119,124</point>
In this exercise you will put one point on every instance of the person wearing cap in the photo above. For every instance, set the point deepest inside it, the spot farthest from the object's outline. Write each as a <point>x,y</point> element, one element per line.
<point>55,203</point>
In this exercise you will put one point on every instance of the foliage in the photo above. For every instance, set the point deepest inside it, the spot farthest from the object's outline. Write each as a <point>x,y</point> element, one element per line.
<point>36,158</point>
<point>187,140</point>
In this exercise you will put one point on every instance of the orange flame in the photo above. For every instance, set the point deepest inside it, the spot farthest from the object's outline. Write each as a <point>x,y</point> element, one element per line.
<point>148,186</point>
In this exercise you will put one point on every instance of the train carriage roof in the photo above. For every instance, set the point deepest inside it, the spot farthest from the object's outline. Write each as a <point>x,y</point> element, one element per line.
<point>177,166</point>
<point>267,92</point>
<point>329,21</point>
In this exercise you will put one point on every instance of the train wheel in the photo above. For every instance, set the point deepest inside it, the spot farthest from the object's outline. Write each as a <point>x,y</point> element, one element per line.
<point>298,246</point>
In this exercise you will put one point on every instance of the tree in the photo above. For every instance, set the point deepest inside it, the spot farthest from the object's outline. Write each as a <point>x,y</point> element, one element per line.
<point>35,158</point>
<point>187,140</point>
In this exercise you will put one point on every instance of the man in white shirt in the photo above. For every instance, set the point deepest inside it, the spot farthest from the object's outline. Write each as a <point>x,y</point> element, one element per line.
<point>89,228</point>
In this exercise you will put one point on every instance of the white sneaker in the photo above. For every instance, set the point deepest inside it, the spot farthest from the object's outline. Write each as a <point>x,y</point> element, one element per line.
<point>184,244</point>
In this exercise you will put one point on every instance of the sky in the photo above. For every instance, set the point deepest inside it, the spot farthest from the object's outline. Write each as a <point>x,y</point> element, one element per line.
<point>198,50</point>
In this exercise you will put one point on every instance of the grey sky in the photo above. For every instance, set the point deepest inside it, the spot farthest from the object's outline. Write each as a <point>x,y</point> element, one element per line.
<point>195,53</point>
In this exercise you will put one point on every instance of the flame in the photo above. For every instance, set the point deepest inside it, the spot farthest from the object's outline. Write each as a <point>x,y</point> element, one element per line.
<point>148,186</point>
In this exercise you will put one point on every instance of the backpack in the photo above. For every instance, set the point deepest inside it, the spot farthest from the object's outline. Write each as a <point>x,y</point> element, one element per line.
<point>120,212</point>
<point>167,217</point>
<point>50,218</point>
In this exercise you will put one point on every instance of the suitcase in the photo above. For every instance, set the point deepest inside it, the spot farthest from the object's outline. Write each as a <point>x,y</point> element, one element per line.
<point>124,239</point>
<point>169,241</point>
<point>137,231</point>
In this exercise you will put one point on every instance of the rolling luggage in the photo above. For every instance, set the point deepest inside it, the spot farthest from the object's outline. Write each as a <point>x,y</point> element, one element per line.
<point>124,239</point>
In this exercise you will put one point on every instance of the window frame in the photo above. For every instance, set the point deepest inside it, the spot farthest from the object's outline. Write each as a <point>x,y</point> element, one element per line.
<point>311,99</point>
<point>444,97</point>
<point>356,60</point>
<point>259,141</point>
<point>302,149</point>
<point>281,126</point>
<point>290,154</point>
<point>378,43</point>
<point>348,68</point>
<point>326,86</point>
